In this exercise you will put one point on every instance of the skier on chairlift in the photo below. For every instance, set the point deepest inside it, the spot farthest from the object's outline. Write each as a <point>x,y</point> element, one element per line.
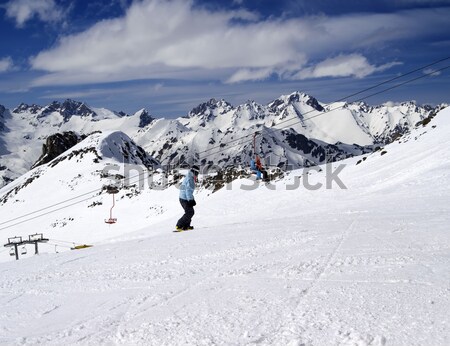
<point>257,168</point>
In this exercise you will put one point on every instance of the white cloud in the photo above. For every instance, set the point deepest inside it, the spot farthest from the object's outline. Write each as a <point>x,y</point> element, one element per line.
<point>23,10</point>
<point>250,75</point>
<point>174,39</point>
<point>170,33</point>
<point>353,65</point>
<point>158,86</point>
<point>6,64</point>
<point>283,71</point>
<point>431,72</point>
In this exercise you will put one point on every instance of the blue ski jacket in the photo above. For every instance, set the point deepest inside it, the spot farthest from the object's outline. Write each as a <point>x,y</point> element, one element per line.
<point>187,187</point>
<point>255,169</point>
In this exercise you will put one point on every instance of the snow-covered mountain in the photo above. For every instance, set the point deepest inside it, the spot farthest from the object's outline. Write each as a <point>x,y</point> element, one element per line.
<point>24,131</point>
<point>96,161</point>
<point>276,264</point>
<point>294,131</point>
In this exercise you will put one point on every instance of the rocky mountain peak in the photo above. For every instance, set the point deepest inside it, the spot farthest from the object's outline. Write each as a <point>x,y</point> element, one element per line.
<point>71,107</point>
<point>211,108</point>
<point>253,110</point>
<point>308,99</point>
<point>122,114</point>
<point>144,117</point>
<point>23,107</point>
<point>364,107</point>
<point>296,97</point>
<point>52,107</point>
<point>68,109</point>
<point>55,145</point>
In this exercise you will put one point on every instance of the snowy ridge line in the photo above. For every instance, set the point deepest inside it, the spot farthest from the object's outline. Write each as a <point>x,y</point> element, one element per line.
<point>237,139</point>
<point>358,100</point>
<point>346,97</point>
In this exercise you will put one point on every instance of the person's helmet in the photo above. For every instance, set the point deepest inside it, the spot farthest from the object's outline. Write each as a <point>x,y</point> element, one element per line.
<point>195,169</point>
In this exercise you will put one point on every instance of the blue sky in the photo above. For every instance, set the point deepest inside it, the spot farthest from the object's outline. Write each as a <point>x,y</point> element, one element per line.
<point>170,55</point>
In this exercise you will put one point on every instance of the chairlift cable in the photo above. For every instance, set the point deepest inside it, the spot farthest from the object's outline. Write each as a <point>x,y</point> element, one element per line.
<point>54,244</point>
<point>50,206</point>
<point>47,213</point>
<point>62,241</point>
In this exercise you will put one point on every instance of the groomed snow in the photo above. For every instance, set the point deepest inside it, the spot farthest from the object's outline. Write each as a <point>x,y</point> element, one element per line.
<point>366,265</point>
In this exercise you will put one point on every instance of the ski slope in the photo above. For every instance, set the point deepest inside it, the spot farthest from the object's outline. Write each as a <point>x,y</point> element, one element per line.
<point>366,265</point>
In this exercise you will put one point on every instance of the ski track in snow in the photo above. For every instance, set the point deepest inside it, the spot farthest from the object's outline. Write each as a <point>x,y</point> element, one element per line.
<point>293,288</point>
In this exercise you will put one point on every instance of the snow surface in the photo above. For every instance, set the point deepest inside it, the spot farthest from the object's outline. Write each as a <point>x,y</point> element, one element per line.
<point>276,265</point>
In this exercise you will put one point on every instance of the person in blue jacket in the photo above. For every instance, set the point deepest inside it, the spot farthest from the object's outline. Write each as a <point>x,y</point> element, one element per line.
<point>257,168</point>
<point>187,200</point>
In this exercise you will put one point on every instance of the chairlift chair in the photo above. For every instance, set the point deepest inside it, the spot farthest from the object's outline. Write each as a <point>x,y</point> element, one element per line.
<point>111,220</point>
<point>12,252</point>
<point>23,251</point>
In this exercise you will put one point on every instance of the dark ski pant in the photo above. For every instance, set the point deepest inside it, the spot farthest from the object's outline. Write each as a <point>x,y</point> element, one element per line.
<point>264,173</point>
<point>185,220</point>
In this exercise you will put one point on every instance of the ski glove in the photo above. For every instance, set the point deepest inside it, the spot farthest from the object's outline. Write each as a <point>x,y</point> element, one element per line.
<point>192,203</point>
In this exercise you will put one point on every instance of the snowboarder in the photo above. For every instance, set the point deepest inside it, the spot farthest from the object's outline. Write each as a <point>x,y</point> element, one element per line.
<point>257,168</point>
<point>187,200</point>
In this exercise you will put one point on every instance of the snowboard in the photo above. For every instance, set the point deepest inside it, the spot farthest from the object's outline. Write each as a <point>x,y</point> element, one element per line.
<point>182,230</point>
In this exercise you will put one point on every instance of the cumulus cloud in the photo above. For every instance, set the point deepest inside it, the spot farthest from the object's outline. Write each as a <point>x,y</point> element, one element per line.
<point>165,32</point>
<point>175,39</point>
<point>6,64</point>
<point>23,10</point>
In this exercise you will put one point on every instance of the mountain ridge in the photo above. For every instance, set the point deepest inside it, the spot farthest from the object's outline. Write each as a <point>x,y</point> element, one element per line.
<point>350,129</point>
